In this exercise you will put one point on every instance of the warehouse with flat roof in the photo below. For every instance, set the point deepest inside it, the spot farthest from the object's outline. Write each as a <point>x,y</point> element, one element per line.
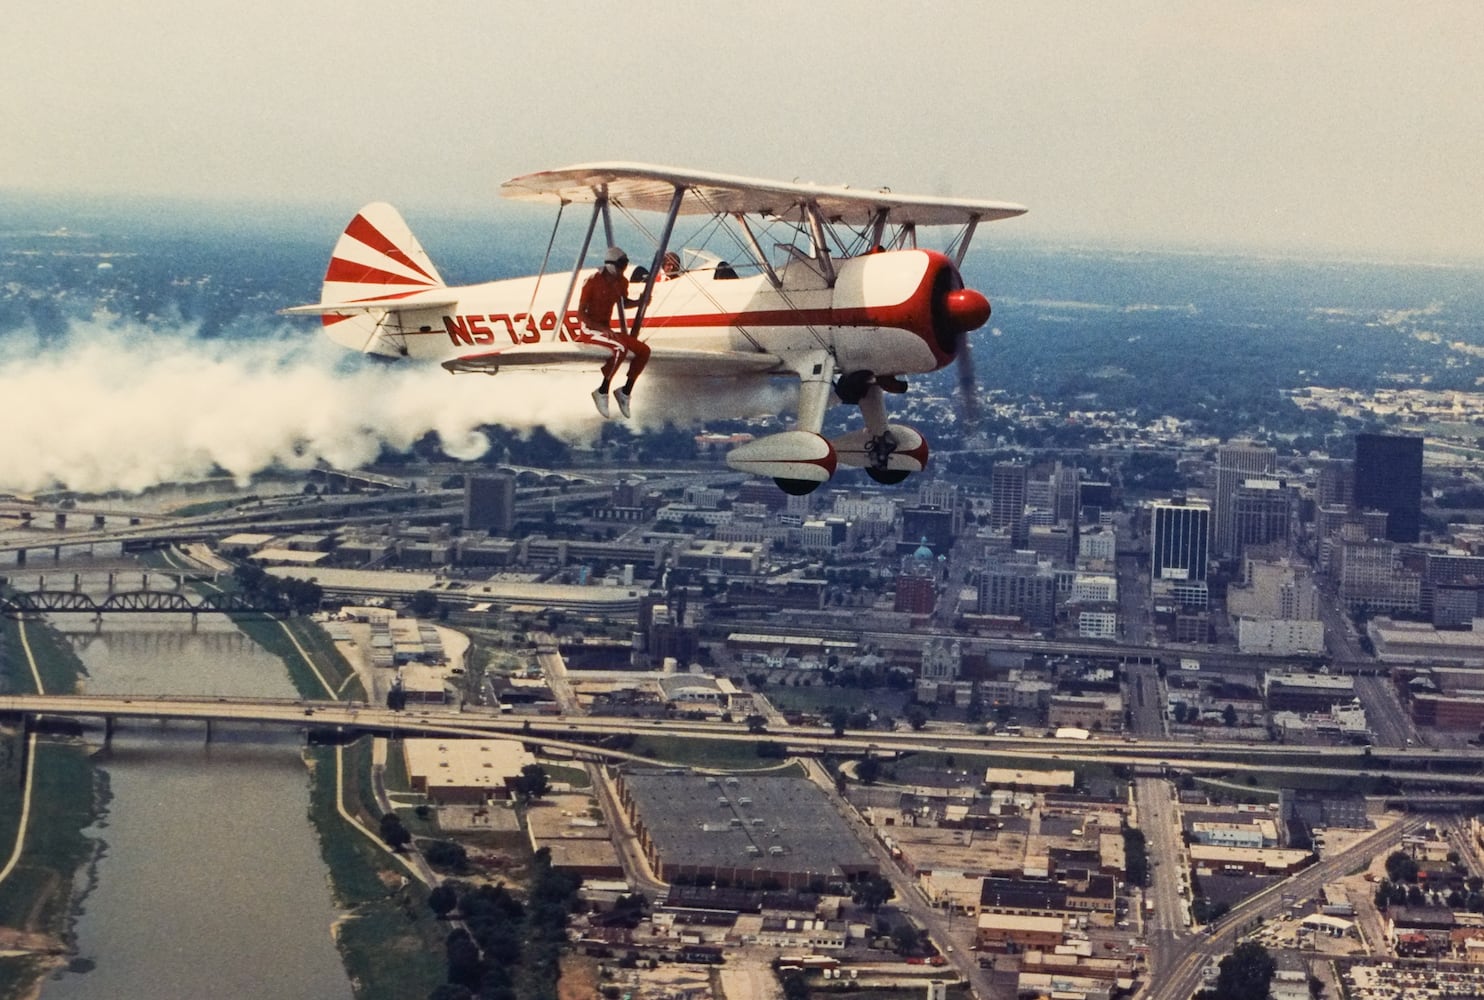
<point>466,772</point>
<point>752,831</point>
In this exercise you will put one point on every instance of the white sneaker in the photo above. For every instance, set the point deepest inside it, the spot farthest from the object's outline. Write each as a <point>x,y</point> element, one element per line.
<point>622,396</point>
<point>600,400</point>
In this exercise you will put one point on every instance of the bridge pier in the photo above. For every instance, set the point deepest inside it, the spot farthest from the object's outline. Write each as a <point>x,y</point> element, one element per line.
<point>108,725</point>
<point>23,748</point>
<point>110,581</point>
<point>77,583</point>
<point>208,730</point>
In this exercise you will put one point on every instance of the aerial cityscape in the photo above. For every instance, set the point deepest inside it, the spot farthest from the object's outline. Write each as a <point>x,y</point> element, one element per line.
<point>1162,680</point>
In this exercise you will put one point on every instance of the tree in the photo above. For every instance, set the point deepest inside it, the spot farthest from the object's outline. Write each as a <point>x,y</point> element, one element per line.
<point>447,855</point>
<point>873,891</point>
<point>1401,867</point>
<point>443,900</point>
<point>1246,973</point>
<point>393,832</point>
<point>533,782</point>
<point>795,986</point>
<point>424,604</point>
<point>1229,716</point>
<point>839,718</point>
<point>868,770</point>
<point>756,724</point>
<point>916,717</point>
<point>905,938</point>
<point>464,966</point>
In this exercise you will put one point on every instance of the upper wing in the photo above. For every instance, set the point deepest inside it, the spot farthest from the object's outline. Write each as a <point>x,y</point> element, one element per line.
<point>651,188</point>
<point>573,354</point>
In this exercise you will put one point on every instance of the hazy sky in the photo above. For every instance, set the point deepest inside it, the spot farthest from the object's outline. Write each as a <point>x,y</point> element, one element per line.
<point>1352,125</point>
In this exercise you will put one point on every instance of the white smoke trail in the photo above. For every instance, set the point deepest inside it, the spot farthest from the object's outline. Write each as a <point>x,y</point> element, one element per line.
<point>111,407</point>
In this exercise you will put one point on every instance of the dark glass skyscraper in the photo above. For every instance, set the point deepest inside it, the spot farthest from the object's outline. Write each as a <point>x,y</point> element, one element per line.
<point>1179,538</point>
<point>1388,477</point>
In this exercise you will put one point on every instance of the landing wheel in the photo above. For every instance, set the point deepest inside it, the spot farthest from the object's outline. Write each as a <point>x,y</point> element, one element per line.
<point>888,477</point>
<point>851,387</point>
<point>797,487</point>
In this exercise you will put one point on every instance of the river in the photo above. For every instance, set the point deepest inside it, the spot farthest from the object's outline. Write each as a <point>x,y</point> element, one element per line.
<point>210,880</point>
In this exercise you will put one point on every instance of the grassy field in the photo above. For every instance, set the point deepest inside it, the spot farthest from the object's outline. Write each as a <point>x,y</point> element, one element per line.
<point>391,944</point>
<point>57,664</point>
<point>37,895</point>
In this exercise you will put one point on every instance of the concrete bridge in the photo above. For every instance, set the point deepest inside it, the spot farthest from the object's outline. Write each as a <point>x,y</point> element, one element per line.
<point>1455,767</point>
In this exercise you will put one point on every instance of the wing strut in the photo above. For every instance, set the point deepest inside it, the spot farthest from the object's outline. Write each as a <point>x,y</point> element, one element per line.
<point>659,256</point>
<point>757,250</point>
<point>878,228</point>
<point>963,241</point>
<point>821,243</point>
<point>600,206</point>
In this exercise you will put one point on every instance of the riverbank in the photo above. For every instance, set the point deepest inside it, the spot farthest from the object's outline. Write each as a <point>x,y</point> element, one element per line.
<point>50,793</point>
<point>390,944</point>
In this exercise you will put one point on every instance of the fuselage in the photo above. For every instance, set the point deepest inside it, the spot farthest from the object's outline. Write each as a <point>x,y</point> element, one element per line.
<point>885,313</point>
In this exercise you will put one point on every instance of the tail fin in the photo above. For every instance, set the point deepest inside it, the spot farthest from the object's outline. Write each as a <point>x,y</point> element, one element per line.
<point>377,257</point>
<point>377,261</point>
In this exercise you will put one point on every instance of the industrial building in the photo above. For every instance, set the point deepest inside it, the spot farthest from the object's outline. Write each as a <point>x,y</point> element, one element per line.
<point>464,772</point>
<point>749,830</point>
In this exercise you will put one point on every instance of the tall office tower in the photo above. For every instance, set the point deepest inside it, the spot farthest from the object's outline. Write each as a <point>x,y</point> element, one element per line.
<point>1262,512</point>
<point>1026,590</point>
<point>1006,494</point>
<point>1067,487</point>
<point>945,496</point>
<point>1236,461</point>
<point>1179,541</point>
<point>1388,476</point>
<point>1336,485</point>
<point>489,503</point>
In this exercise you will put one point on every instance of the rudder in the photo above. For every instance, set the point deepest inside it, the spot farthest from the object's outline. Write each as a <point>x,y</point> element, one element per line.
<point>376,258</point>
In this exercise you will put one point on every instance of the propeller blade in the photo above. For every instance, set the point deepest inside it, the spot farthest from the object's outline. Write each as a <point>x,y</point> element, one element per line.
<point>968,384</point>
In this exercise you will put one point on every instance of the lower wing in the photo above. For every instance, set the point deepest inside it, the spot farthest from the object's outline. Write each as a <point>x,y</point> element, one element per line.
<point>577,355</point>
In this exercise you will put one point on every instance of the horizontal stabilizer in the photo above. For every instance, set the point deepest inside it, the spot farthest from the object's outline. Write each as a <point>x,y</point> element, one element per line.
<point>362,306</point>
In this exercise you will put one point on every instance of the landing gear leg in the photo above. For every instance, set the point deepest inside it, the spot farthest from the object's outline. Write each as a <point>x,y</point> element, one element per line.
<point>882,443</point>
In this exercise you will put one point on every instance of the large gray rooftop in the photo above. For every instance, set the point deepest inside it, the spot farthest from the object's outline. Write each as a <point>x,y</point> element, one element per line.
<point>744,821</point>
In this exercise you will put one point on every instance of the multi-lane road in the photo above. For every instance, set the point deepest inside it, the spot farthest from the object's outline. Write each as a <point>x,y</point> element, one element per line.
<point>1178,980</point>
<point>1455,766</point>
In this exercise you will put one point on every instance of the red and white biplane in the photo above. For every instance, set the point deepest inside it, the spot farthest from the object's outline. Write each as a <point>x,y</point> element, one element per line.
<point>848,303</point>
